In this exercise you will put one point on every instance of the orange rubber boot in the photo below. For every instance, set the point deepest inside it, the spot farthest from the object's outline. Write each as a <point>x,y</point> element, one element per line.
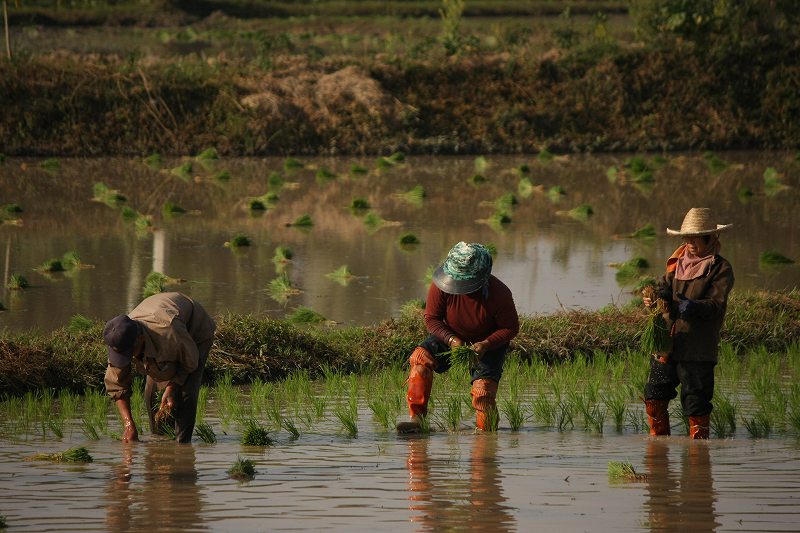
<point>420,381</point>
<point>698,427</point>
<point>658,416</point>
<point>484,392</point>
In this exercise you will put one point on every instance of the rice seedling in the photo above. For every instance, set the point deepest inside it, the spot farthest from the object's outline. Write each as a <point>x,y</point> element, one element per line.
<point>613,173</point>
<point>773,183</point>
<point>205,433</point>
<point>319,403</point>
<point>348,417</point>
<point>545,155</point>
<point>238,241</point>
<point>525,187</point>
<point>50,165</point>
<point>556,193</point>
<point>758,425</point>
<point>89,429</point>
<point>581,212</point>
<point>71,261</point>
<point>373,221</point>
<point>453,414</point>
<point>514,413</point>
<point>655,337</point>
<point>341,275</point>
<point>303,221</point>
<point>171,209</point>
<point>646,232</point>
<point>499,220</point>
<point>714,163</point>
<point>506,202</point>
<point>723,416</point>
<point>382,412</point>
<point>408,239</point>
<point>154,161</point>
<point>282,255</point>
<point>183,171</point>
<point>242,470</point>
<point>50,265</point>
<point>306,315</point>
<point>639,169</point>
<point>793,415</point>
<point>564,411</point>
<point>111,197</point>
<point>623,471</point>
<point>209,154</point>
<point>281,288</point>
<point>17,282</point>
<point>629,271</point>
<point>397,157</point>
<point>358,170</point>
<point>255,434</point>
<point>772,258</point>
<point>492,419</point>
<point>289,425</point>
<point>79,454</point>
<point>637,421</point>
<point>292,164</point>
<point>462,356</point>
<point>359,205</point>
<point>616,404</point>
<point>323,175</point>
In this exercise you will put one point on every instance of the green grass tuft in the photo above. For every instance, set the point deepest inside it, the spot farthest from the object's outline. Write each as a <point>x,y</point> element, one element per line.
<point>242,470</point>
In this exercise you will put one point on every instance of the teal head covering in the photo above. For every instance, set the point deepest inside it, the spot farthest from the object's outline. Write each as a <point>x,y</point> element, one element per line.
<point>466,269</point>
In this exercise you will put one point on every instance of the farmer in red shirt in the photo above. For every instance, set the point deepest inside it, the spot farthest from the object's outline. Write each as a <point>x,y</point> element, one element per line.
<point>466,306</point>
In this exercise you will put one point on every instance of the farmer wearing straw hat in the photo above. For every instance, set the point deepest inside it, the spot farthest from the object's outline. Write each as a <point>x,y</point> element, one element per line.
<point>167,337</point>
<point>466,306</point>
<point>695,289</point>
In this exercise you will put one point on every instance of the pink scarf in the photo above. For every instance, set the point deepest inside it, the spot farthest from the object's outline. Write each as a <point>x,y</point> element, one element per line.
<point>688,266</point>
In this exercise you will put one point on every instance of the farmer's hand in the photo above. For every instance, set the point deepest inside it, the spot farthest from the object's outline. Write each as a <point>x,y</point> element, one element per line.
<point>454,341</point>
<point>130,434</point>
<point>686,307</point>
<point>647,302</point>
<point>168,398</point>
<point>481,347</point>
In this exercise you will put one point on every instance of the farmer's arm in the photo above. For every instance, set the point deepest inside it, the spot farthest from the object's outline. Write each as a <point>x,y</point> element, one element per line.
<point>435,313</point>
<point>506,320</point>
<point>118,383</point>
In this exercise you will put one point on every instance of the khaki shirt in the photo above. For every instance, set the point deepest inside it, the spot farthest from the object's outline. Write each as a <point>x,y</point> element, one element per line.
<point>173,325</point>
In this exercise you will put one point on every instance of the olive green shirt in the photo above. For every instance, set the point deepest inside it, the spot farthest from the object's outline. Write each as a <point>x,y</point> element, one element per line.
<point>173,325</point>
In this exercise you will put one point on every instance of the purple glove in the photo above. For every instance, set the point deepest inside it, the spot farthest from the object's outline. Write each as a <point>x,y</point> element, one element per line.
<point>686,307</point>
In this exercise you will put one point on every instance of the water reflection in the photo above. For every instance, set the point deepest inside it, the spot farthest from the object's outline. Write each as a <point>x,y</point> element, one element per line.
<point>680,501</point>
<point>160,494</point>
<point>440,502</point>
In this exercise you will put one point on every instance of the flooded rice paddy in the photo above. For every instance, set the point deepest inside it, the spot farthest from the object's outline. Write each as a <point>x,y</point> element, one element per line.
<point>360,209</point>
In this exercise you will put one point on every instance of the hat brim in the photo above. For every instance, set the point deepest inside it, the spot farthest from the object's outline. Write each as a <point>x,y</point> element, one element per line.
<point>119,359</point>
<point>720,227</point>
<point>448,284</point>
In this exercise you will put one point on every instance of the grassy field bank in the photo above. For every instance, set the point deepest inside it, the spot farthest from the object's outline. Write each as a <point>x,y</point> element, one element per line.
<point>249,348</point>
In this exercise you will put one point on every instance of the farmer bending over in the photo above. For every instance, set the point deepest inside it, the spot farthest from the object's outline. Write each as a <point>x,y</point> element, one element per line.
<point>695,289</point>
<point>466,305</point>
<point>167,337</point>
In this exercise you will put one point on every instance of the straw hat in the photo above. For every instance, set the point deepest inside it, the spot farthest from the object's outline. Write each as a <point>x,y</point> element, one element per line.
<point>465,270</point>
<point>697,222</point>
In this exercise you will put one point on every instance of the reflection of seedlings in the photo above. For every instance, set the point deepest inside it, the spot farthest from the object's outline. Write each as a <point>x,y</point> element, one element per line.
<point>555,193</point>
<point>238,241</point>
<point>622,471</point>
<point>544,155</point>
<point>78,454</point>
<point>341,275</point>
<point>110,197</point>
<point>306,315</point>
<point>17,282</point>
<point>171,208</point>
<point>581,212</point>
<point>206,433</point>
<point>302,222</point>
<point>358,170</point>
<point>646,232</point>
<point>281,288</point>
<point>324,175</point>
<point>714,162</point>
<point>242,470</point>
<point>408,239</point>
<point>292,164</point>
<point>154,161</point>
<point>255,434</point>
<point>183,171</point>
<point>772,258</point>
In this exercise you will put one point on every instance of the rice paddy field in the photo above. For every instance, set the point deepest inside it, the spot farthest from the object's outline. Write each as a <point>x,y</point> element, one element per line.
<point>321,454</point>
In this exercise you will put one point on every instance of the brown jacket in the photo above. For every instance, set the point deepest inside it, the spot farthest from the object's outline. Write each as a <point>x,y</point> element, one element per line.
<point>173,325</point>
<point>696,338</point>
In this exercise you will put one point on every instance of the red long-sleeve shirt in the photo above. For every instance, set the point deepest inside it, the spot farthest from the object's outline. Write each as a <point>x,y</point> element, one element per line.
<point>471,317</point>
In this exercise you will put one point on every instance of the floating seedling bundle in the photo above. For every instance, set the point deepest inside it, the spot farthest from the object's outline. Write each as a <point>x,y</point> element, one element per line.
<point>655,336</point>
<point>73,455</point>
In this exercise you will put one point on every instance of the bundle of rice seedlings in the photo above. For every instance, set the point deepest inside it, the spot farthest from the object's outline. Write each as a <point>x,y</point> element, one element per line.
<point>408,239</point>
<point>630,270</point>
<point>324,175</point>
<point>341,275</point>
<point>415,195</point>
<point>281,288</point>
<point>110,197</point>
<point>477,179</point>
<point>613,173</point>
<point>373,221</point>
<point>384,162</point>
<point>206,433</point>
<point>523,170</point>
<point>771,257</point>
<point>242,470</point>
<point>50,165</point>
<point>555,193</point>
<point>645,232</point>
<point>239,240</point>
<point>17,282</point>
<point>154,161</point>
<point>462,356</point>
<point>639,169</point>
<point>171,208</point>
<point>303,221</point>
<point>357,170</point>
<point>582,212</point>
<point>183,171</point>
<point>78,454</point>
<point>622,471</point>
<point>306,315</point>
<point>209,154</point>
<point>506,202</point>
<point>71,260</point>
<point>655,337</point>
<point>256,204</point>
<point>282,255</point>
<point>222,176</point>
<point>714,162</point>
<point>525,187</point>
<point>359,204</point>
<point>772,182</point>
<point>255,434</point>
<point>51,265</point>
<point>499,219</point>
<point>480,164</point>
<point>544,155</point>
<point>397,157</point>
<point>291,164</point>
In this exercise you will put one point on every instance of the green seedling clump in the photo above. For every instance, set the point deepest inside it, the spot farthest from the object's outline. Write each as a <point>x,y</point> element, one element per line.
<point>154,161</point>
<point>771,257</point>
<point>622,471</point>
<point>239,240</point>
<point>242,470</point>
<point>358,170</point>
<point>408,239</point>
<point>206,433</point>
<point>306,315</point>
<point>359,204</point>
<point>256,435</point>
<point>183,171</point>
<point>463,356</point>
<point>645,232</point>
<point>79,323</point>
<point>74,455</point>
<point>209,154</point>
<point>51,265</point>
<point>292,164</point>
<point>17,282</point>
<point>171,208</point>
<point>302,222</point>
<point>582,212</point>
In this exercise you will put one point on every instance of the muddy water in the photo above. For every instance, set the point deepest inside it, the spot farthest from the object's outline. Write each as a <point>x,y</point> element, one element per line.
<point>530,480</point>
<point>550,260</point>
